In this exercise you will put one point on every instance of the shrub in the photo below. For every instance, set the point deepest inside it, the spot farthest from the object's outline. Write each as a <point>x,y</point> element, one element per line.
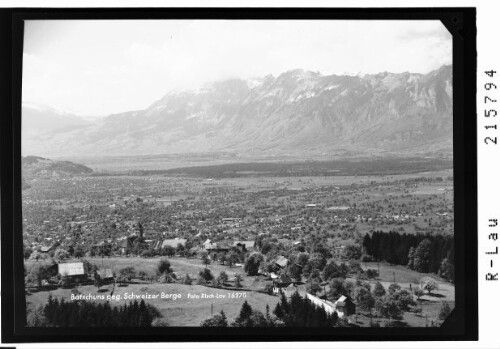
<point>142,274</point>
<point>269,288</point>
<point>206,274</point>
<point>127,273</point>
<point>222,278</point>
<point>163,266</point>
<point>187,280</point>
<point>371,273</point>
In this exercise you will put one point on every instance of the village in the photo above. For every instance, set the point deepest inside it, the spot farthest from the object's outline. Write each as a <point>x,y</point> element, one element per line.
<point>261,236</point>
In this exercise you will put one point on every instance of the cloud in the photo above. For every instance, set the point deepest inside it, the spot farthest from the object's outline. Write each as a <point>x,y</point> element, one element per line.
<point>103,67</point>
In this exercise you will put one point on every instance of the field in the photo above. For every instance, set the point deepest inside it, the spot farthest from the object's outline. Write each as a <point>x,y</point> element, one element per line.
<point>189,311</point>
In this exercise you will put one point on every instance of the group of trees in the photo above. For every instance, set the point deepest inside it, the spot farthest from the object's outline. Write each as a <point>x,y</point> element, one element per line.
<point>423,253</point>
<point>295,312</point>
<point>60,313</point>
<point>394,302</point>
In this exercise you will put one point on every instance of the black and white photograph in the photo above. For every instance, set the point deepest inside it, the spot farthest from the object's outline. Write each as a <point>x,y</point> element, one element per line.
<point>238,173</point>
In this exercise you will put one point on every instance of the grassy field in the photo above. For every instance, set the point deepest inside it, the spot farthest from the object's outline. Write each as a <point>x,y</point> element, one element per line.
<point>183,311</point>
<point>188,310</point>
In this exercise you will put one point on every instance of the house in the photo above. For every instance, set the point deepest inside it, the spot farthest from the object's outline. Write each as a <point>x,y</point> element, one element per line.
<point>127,244</point>
<point>244,246</point>
<point>45,249</point>
<point>76,269</point>
<point>106,274</point>
<point>288,290</point>
<point>208,244</point>
<point>173,242</point>
<point>281,262</point>
<point>345,306</point>
<point>214,247</point>
<point>281,283</point>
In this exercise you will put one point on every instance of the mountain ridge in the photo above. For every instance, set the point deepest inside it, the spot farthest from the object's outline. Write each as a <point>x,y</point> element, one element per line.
<point>298,112</point>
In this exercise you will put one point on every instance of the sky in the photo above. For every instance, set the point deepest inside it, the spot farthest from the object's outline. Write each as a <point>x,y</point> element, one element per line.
<point>99,67</point>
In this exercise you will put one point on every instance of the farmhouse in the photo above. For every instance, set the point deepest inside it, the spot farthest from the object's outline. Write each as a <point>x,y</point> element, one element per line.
<point>281,262</point>
<point>345,306</point>
<point>173,242</point>
<point>214,247</point>
<point>281,283</point>
<point>45,249</point>
<point>106,274</point>
<point>127,244</point>
<point>244,246</point>
<point>76,269</point>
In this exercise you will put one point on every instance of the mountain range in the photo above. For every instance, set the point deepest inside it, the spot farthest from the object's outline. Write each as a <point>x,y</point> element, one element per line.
<point>298,113</point>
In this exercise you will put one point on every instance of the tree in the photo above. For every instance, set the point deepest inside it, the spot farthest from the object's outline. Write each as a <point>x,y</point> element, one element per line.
<point>180,249</point>
<point>429,284</point>
<point>349,287</point>
<point>168,251</point>
<point>371,273</point>
<point>163,267</point>
<point>78,252</point>
<point>387,306</point>
<point>313,287</point>
<point>187,280</point>
<point>378,290</point>
<point>336,289</point>
<point>38,273</point>
<point>364,298</point>
<point>418,292</point>
<point>295,272</point>
<point>411,257</point>
<point>444,311</point>
<point>352,252</point>
<point>237,280</point>
<point>61,254</point>
<point>393,288</point>
<point>404,299</point>
<point>422,258</point>
<point>65,281</point>
<point>252,263</point>
<point>244,318</point>
<point>447,270</point>
<point>127,273</point>
<point>222,278</point>
<point>97,281</point>
<point>205,259</point>
<point>218,320</point>
<point>330,271</point>
<point>302,259</point>
<point>317,261</point>
<point>232,258</point>
<point>204,276</point>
